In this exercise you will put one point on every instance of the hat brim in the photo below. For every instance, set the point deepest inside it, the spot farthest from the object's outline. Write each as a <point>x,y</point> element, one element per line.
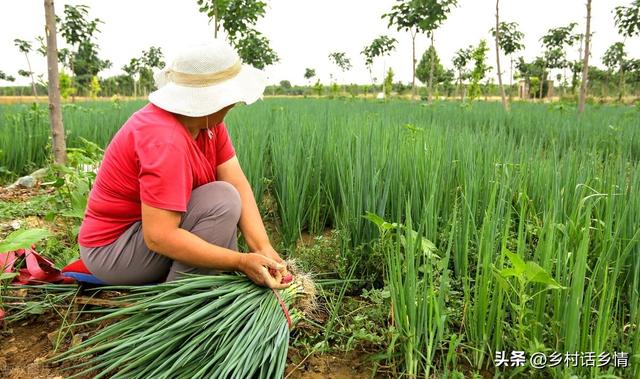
<point>246,87</point>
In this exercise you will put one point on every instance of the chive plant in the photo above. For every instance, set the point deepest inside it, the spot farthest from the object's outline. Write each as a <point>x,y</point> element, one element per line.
<point>221,326</point>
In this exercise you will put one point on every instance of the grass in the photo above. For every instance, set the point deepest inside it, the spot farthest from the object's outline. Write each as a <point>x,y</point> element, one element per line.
<point>556,189</point>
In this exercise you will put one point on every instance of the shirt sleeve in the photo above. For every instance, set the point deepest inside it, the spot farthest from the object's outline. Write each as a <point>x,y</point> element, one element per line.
<point>165,176</point>
<point>224,146</point>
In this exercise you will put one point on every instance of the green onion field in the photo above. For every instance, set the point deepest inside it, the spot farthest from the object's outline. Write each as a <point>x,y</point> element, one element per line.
<point>484,231</point>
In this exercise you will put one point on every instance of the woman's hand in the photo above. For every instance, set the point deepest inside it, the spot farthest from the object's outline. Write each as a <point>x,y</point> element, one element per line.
<point>255,266</point>
<point>271,253</point>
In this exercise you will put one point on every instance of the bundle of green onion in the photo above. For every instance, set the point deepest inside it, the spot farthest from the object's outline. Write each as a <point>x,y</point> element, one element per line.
<point>199,327</point>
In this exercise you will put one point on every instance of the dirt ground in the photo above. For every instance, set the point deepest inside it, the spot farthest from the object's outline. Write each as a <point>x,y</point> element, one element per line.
<point>25,345</point>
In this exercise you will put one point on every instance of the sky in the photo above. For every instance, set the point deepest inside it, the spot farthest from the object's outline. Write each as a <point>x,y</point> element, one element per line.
<point>304,32</point>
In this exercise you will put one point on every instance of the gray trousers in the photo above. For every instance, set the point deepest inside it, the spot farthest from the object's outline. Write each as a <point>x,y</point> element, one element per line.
<point>212,214</point>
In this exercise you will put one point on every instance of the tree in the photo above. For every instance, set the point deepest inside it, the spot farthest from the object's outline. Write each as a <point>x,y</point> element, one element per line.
<point>254,49</point>
<point>149,60</point>
<point>140,69</point>
<point>496,34</point>
<point>615,58</point>
<point>554,43</point>
<point>55,114</point>
<point>585,62</point>
<point>94,88</point>
<point>627,19</point>
<point>25,48</point>
<point>388,83</point>
<point>531,72</point>
<point>461,59</point>
<point>510,42</point>
<point>436,12</point>
<point>309,73</point>
<point>420,16</point>
<point>379,47</point>
<point>480,69</point>
<point>237,18</point>
<point>79,32</point>
<point>6,77</point>
<point>285,85</point>
<point>66,86</point>
<point>406,18</point>
<point>341,60</point>
<point>440,75</point>
<point>132,69</point>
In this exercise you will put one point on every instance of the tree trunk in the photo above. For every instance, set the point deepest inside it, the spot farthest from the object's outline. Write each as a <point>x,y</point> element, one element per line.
<point>414,89</point>
<point>542,79</point>
<point>621,94</point>
<point>585,62</point>
<point>33,82</point>
<point>55,112</point>
<point>510,78</point>
<point>460,85</point>
<point>502,95</point>
<point>432,64</point>
<point>215,25</point>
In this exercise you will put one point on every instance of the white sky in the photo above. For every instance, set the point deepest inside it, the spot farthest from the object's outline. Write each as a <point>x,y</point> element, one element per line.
<point>304,32</point>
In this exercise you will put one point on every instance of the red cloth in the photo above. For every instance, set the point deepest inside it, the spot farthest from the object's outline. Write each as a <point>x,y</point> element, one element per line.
<point>37,269</point>
<point>76,266</point>
<point>151,159</point>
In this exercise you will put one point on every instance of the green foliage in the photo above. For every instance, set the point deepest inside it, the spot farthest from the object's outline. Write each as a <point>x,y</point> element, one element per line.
<point>627,19</point>
<point>254,49</point>
<point>140,69</point>
<point>79,33</point>
<point>318,87</point>
<point>341,60</point>
<point>388,82</point>
<point>74,181</point>
<point>94,88</point>
<point>309,73</point>
<point>480,69</point>
<point>285,84</point>
<point>531,72</point>
<point>615,56</point>
<point>440,75</point>
<point>22,239</point>
<point>22,45</point>
<point>461,59</point>
<point>555,42</point>
<point>510,37</point>
<point>66,86</point>
<point>420,15</point>
<point>379,47</point>
<point>238,18</point>
<point>6,77</point>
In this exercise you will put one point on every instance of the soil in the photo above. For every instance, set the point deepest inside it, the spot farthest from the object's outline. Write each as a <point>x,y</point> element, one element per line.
<point>26,344</point>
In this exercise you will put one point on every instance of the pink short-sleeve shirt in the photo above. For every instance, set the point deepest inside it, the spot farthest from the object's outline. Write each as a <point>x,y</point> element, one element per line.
<point>151,159</point>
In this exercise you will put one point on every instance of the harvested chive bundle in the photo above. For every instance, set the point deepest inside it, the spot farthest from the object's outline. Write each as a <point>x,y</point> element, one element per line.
<point>220,326</point>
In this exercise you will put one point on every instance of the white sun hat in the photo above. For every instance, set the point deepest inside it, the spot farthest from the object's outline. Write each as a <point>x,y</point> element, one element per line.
<point>204,79</point>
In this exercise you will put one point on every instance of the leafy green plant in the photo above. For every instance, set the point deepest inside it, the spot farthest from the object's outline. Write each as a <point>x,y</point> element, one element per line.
<point>518,282</point>
<point>22,239</point>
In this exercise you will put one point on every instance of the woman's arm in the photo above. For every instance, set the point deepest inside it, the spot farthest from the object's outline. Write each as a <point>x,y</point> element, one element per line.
<point>250,220</point>
<point>163,235</point>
